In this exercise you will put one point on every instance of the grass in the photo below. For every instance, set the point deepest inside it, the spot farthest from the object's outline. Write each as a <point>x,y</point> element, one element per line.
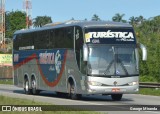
<point>6,81</point>
<point>149,91</point>
<point>15,101</point>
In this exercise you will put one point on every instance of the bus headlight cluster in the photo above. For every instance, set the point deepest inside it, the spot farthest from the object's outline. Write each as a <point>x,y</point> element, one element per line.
<point>93,83</point>
<point>133,83</point>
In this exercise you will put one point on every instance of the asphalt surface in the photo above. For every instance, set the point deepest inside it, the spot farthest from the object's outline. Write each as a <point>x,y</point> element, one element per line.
<point>129,101</point>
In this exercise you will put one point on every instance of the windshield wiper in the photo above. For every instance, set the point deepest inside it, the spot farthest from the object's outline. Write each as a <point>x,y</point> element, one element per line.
<point>122,65</point>
<point>108,67</point>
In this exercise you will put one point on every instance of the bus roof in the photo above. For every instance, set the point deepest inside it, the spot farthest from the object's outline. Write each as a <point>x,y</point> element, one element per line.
<point>82,24</point>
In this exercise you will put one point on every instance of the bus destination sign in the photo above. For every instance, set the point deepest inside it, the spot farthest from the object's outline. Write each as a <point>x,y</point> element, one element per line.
<point>110,36</point>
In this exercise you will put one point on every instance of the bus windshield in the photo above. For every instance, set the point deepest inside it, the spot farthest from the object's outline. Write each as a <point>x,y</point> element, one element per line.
<point>112,61</point>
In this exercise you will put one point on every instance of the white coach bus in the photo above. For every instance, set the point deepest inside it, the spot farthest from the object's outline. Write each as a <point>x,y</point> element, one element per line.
<point>78,58</point>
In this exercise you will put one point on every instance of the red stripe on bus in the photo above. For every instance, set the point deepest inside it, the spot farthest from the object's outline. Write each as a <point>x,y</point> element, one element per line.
<point>33,56</point>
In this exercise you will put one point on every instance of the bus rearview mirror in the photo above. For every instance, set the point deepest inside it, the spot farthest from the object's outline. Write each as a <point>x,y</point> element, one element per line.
<point>144,52</point>
<point>85,52</point>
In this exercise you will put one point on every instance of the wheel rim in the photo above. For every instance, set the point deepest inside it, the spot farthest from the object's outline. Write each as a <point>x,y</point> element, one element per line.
<point>33,84</point>
<point>34,91</point>
<point>72,90</point>
<point>27,86</point>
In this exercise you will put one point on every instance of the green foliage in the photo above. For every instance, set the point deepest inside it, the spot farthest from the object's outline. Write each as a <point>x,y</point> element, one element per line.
<point>7,81</point>
<point>119,18</point>
<point>15,20</point>
<point>148,33</point>
<point>39,21</point>
<point>147,79</point>
<point>136,20</point>
<point>149,91</point>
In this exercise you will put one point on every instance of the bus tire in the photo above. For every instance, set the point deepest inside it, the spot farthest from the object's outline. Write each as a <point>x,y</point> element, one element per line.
<point>116,97</point>
<point>34,87</point>
<point>72,93</point>
<point>26,87</point>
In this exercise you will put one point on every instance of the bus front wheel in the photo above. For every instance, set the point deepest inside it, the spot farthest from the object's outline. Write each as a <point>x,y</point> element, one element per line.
<point>116,97</point>
<point>72,93</point>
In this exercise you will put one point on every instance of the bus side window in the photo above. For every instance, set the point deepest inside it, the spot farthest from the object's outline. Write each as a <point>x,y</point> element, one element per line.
<point>37,40</point>
<point>59,33</point>
<point>69,42</point>
<point>47,37</point>
<point>42,40</point>
<point>52,39</point>
<point>17,41</point>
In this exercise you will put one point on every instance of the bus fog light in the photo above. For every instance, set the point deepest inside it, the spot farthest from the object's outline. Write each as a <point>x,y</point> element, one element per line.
<point>93,83</point>
<point>133,83</point>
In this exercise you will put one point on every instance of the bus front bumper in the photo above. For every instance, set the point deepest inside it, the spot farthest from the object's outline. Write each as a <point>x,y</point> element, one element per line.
<point>112,89</point>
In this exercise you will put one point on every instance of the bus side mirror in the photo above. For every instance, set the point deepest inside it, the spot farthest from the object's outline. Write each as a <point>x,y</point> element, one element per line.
<point>85,52</point>
<point>144,52</point>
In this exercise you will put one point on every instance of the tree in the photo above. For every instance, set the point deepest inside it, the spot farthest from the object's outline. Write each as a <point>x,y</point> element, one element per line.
<point>15,20</point>
<point>95,18</point>
<point>119,18</point>
<point>140,19</point>
<point>133,20</point>
<point>149,36</point>
<point>136,20</point>
<point>39,21</point>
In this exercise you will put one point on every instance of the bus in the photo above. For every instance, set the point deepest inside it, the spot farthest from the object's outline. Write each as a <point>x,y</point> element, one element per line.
<point>78,58</point>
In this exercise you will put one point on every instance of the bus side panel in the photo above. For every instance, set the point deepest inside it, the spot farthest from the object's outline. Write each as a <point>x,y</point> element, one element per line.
<point>51,68</point>
<point>18,71</point>
<point>71,71</point>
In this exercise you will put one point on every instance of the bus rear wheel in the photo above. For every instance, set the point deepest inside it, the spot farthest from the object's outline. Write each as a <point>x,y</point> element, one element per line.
<point>34,87</point>
<point>26,87</point>
<point>116,97</point>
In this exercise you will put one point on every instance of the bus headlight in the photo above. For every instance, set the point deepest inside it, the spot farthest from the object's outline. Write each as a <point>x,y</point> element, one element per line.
<point>93,83</point>
<point>133,83</point>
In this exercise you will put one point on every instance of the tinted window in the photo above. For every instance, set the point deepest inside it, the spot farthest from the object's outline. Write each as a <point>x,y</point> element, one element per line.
<point>41,40</point>
<point>64,37</point>
<point>46,39</point>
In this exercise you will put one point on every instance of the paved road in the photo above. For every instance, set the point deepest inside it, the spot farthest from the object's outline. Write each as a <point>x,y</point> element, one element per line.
<point>48,97</point>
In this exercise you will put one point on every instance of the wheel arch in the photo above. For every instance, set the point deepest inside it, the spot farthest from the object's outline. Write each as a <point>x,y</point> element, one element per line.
<point>71,80</point>
<point>26,77</point>
<point>33,76</point>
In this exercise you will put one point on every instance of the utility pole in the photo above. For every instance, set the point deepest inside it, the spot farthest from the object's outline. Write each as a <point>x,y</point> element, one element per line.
<point>2,24</point>
<point>28,9</point>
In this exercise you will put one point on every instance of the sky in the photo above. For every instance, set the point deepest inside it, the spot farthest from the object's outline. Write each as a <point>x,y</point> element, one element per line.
<point>62,10</point>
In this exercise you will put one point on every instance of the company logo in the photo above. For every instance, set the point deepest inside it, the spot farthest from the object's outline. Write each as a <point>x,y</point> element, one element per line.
<point>124,36</point>
<point>46,58</point>
<point>115,83</point>
<point>117,72</point>
<point>58,62</point>
<point>50,59</point>
<point>6,108</point>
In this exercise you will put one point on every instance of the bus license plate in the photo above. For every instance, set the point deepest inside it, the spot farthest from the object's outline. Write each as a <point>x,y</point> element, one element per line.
<point>115,90</point>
